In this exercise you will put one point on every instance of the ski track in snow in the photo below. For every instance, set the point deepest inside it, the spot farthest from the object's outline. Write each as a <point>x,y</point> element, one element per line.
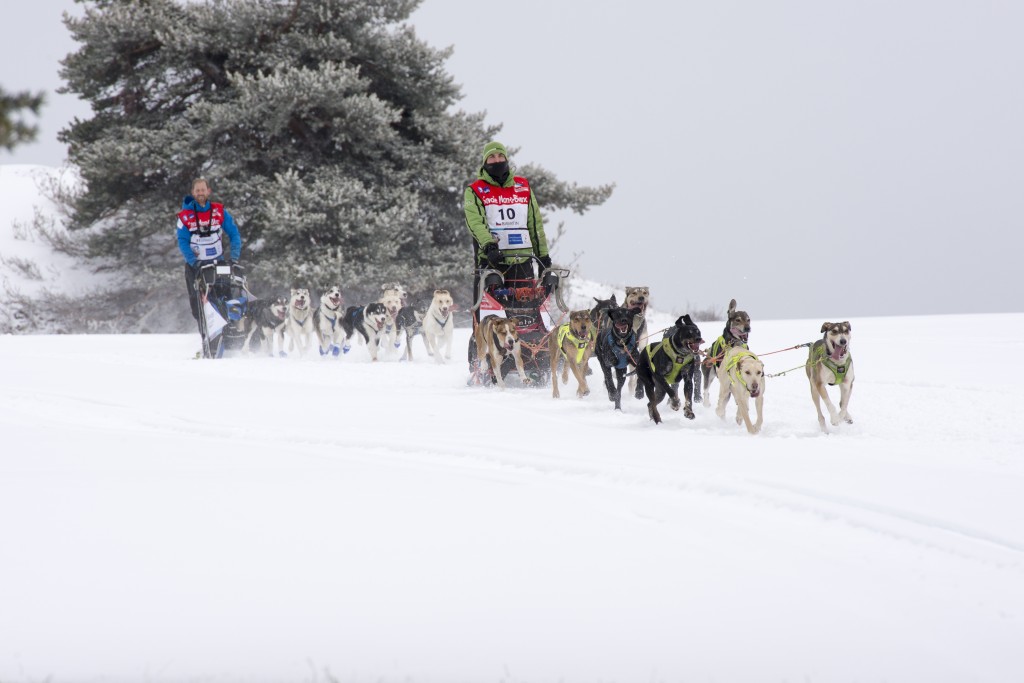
<point>920,495</point>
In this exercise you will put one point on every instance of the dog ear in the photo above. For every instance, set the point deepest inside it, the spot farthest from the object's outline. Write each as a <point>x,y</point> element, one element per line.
<point>825,326</point>
<point>680,322</point>
<point>686,319</point>
<point>614,302</point>
<point>732,306</point>
<point>848,325</point>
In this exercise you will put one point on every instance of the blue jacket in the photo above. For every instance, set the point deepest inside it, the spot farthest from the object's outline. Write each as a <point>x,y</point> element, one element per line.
<point>228,227</point>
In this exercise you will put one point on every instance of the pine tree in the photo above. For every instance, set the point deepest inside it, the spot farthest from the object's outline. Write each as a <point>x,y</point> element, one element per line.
<point>13,129</point>
<point>326,128</point>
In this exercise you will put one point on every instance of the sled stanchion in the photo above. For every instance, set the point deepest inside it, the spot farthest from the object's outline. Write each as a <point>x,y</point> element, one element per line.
<point>221,292</point>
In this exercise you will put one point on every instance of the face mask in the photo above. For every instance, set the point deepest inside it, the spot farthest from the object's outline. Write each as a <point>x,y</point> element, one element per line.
<point>498,171</point>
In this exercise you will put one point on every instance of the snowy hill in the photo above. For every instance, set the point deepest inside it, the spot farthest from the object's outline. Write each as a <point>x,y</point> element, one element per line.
<point>259,519</point>
<point>297,519</point>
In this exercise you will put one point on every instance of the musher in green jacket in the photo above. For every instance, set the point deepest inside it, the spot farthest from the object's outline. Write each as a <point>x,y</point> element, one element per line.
<point>503,216</point>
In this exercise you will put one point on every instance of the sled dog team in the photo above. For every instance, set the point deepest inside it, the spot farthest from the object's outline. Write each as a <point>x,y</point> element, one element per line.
<point>331,327</point>
<point>615,334</point>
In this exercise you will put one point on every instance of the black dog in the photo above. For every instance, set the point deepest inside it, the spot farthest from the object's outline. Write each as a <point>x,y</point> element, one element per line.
<point>663,365</point>
<point>599,313</point>
<point>267,322</point>
<point>616,349</point>
<point>737,329</point>
<point>599,317</point>
<point>368,321</point>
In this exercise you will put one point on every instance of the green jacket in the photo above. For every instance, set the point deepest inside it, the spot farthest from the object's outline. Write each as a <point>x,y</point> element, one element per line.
<point>476,221</point>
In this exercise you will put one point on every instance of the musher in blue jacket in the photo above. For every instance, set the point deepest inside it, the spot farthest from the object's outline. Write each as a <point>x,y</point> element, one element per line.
<point>201,227</point>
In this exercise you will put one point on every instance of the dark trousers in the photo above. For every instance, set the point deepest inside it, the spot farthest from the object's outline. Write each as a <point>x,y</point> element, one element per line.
<point>190,285</point>
<point>511,272</point>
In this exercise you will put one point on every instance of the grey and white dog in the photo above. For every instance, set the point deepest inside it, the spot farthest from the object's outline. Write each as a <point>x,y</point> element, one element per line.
<point>300,320</point>
<point>327,321</point>
<point>830,362</point>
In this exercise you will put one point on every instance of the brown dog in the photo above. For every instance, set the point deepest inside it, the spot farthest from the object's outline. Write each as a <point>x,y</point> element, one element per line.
<point>572,344</point>
<point>496,339</point>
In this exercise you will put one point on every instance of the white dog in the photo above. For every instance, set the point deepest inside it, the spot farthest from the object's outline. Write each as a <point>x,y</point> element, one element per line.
<point>830,362</point>
<point>300,321</point>
<point>327,321</point>
<point>741,375</point>
<point>438,326</point>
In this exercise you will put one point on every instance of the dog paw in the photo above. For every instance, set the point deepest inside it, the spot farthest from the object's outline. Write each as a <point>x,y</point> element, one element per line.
<point>282,354</point>
<point>346,349</point>
<point>688,414</point>
<point>639,394</point>
<point>674,404</point>
<point>652,410</point>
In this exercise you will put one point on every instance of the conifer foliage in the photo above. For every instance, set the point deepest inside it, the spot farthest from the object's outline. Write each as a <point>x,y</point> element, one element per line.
<point>326,127</point>
<point>13,128</point>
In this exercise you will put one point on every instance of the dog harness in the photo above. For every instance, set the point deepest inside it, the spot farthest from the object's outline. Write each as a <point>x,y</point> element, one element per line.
<point>735,361</point>
<point>565,332</point>
<point>720,345</point>
<point>620,349</point>
<point>679,360</point>
<point>838,371</point>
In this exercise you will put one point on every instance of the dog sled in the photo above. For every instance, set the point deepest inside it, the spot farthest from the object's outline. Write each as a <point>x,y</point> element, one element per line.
<point>224,301</point>
<point>537,308</point>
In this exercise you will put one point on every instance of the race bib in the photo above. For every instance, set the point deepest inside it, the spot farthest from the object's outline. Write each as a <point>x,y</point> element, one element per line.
<point>513,238</point>
<point>207,248</point>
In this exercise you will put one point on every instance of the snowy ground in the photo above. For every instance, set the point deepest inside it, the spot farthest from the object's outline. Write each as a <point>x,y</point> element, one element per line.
<point>167,519</point>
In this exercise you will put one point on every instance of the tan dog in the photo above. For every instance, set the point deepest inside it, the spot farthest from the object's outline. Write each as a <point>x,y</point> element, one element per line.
<point>830,362</point>
<point>636,300</point>
<point>438,326</point>
<point>572,344</point>
<point>496,339</point>
<point>393,299</point>
<point>741,375</point>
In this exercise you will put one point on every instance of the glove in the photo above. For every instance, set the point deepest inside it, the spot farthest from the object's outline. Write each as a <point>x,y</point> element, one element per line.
<point>494,255</point>
<point>545,261</point>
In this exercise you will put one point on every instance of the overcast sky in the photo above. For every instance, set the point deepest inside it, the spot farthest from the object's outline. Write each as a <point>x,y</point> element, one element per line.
<point>809,158</point>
